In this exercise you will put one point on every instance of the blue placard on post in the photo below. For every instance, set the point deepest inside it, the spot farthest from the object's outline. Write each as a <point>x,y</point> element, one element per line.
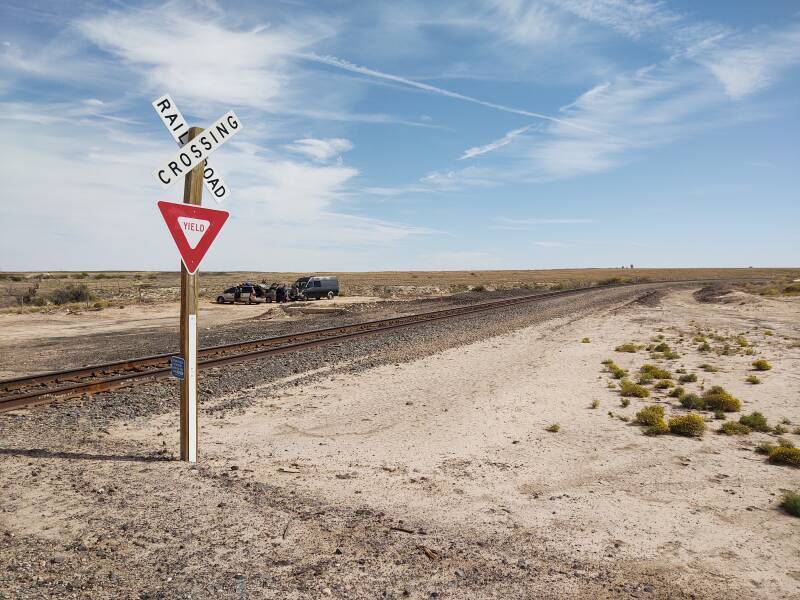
<point>176,364</point>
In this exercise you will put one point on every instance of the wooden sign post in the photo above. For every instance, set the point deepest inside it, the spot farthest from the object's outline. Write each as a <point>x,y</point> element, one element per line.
<point>192,194</point>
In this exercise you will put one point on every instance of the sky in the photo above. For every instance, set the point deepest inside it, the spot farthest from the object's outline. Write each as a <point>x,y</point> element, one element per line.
<point>410,135</point>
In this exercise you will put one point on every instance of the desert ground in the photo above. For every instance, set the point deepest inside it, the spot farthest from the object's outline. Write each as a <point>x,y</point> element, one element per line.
<point>423,466</point>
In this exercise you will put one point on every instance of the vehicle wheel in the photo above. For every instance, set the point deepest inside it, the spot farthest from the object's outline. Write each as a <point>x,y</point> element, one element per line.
<point>220,300</point>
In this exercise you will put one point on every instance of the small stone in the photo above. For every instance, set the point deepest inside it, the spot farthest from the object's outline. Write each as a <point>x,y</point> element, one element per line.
<point>459,573</point>
<point>522,564</point>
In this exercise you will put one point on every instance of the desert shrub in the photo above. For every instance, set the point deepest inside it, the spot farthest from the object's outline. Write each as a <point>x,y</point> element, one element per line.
<point>663,384</point>
<point>660,428</point>
<point>479,288</point>
<point>708,368</point>
<point>585,340</point>
<point>617,372</point>
<point>699,339</point>
<point>780,429</point>
<point>718,398</point>
<point>688,378</point>
<point>690,425</point>
<point>70,293</point>
<point>82,275</point>
<point>671,355</point>
<point>753,379</point>
<point>677,392</point>
<point>719,415</point>
<point>655,372</point>
<point>626,348</point>
<point>734,428</point>
<point>755,421</point>
<point>629,389</point>
<point>693,401</point>
<point>650,415</point>
<point>761,365</point>
<point>768,332</point>
<point>796,431</point>
<point>626,402</point>
<point>595,403</point>
<point>554,428</point>
<point>704,347</point>
<point>607,362</point>
<point>791,501</point>
<point>764,448</point>
<point>792,288</point>
<point>644,379</point>
<point>743,343</point>
<point>785,456</point>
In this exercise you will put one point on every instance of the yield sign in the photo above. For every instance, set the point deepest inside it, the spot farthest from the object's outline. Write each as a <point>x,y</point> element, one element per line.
<point>193,228</point>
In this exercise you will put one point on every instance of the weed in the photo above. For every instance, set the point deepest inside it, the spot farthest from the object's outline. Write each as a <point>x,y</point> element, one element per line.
<point>585,340</point>
<point>753,379</point>
<point>611,385</point>
<point>704,347</point>
<point>629,347</point>
<point>780,429</point>
<point>662,347</point>
<point>628,388</point>
<point>718,398</point>
<point>595,403</point>
<point>645,379</point>
<point>671,355</point>
<point>617,372</point>
<point>655,372</point>
<point>626,402</point>
<point>709,368</point>
<point>764,448</point>
<point>750,351</point>
<point>734,428</point>
<point>719,415</point>
<point>791,502</point>
<point>785,456</point>
<point>677,392</point>
<point>688,378</point>
<point>554,428</point>
<point>650,415</point>
<point>768,332</point>
<point>691,425</point>
<point>660,427</point>
<point>607,362</point>
<point>755,421</point>
<point>663,384</point>
<point>699,339</point>
<point>761,365</point>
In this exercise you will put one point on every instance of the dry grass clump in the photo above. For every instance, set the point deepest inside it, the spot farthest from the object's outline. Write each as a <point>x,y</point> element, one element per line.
<point>644,379</point>
<point>629,347</point>
<point>663,384</point>
<point>752,379</point>
<point>650,415</point>
<point>791,503</point>
<point>655,372</point>
<point>585,340</point>
<point>659,428</point>
<point>691,425</point>
<point>688,378</point>
<point>785,456</point>
<point>554,428</point>
<point>616,371</point>
<point>734,428</point>
<point>625,402</point>
<point>595,403</point>
<point>709,368</point>
<point>780,429</point>
<point>704,347</point>
<point>761,365</point>
<point>755,421</point>
<point>717,398</point>
<point>629,389</point>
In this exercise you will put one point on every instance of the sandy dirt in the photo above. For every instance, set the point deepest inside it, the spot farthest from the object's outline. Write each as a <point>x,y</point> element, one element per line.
<point>450,455</point>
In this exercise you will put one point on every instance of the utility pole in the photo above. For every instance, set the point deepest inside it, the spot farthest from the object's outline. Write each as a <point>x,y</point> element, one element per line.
<point>192,194</point>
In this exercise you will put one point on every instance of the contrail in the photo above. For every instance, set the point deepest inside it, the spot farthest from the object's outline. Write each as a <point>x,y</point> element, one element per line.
<point>348,66</point>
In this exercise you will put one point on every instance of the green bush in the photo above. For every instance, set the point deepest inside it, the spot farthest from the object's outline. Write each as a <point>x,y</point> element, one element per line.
<point>753,379</point>
<point>655,372</point>
<point>755,421</point>
<point>718,399</point>
<point>650,415</point>
<point>761,365</point>
<point>71,293</point>
<point>660,427</point>
<point>734,428</point>
<point>677,392</point>
<point>785,456</point>
<point>629,389</point>
<point>617,372</point>
<point>688,378</point>
<point>693,401</point>
<point>626,348</point>
<point>791,501</point>
<point>690,425</point>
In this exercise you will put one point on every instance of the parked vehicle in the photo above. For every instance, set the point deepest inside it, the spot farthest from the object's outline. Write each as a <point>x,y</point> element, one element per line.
<point>246,292</point>
<point>296,291</point>
<point>321,287</point>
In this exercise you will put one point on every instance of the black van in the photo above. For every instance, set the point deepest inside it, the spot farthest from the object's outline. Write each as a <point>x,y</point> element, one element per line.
<point>321,287</point>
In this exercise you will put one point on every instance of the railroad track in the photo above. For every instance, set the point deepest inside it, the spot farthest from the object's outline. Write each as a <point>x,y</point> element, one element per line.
<point>47,387</point>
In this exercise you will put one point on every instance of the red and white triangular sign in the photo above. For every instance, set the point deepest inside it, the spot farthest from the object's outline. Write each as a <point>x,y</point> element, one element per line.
<point>193,228</point>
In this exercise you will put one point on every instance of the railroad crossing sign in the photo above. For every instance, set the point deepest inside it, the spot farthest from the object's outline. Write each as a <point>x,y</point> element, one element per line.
<point>197,150</point>
<point>173,120</point>
<point>193,228</point>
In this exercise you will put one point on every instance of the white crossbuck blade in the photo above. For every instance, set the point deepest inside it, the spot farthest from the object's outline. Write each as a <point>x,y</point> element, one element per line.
<point>173,120</point>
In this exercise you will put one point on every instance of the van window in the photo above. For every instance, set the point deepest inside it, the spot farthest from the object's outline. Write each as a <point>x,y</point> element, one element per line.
<point>317,283</point>
<point>230,291</point>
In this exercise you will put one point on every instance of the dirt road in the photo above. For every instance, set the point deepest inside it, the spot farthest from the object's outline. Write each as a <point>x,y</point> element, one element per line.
<point>432,477</point>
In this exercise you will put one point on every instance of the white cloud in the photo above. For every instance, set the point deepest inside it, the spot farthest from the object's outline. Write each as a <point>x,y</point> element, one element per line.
<point>492,146</point>
<point>321,150</point>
